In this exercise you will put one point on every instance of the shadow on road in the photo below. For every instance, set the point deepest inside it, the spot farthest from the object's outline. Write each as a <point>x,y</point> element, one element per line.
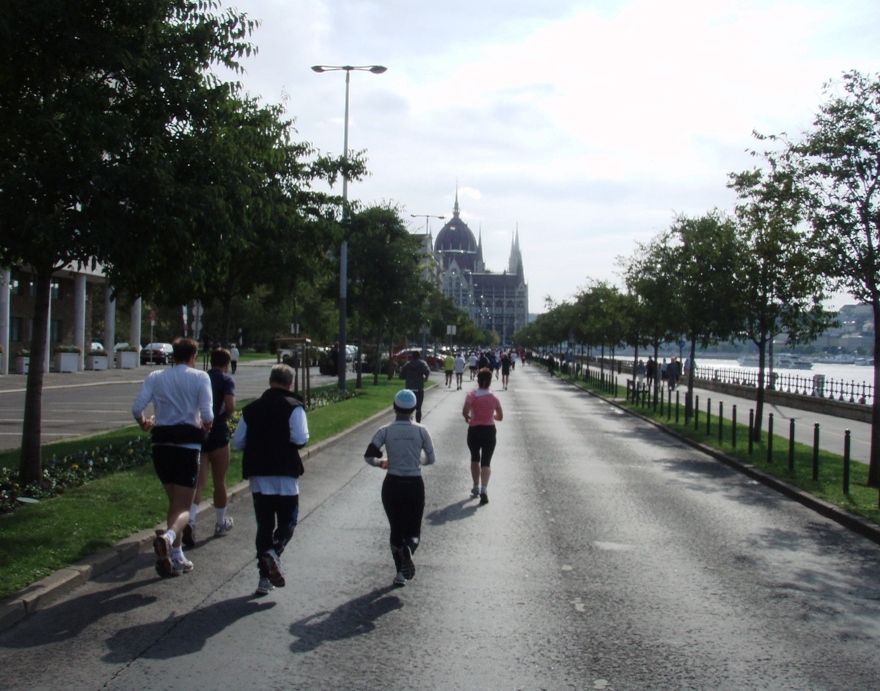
<point>202,624</point>
<point>70,618</point>
<point>454,512</point>
<point>353,618</point>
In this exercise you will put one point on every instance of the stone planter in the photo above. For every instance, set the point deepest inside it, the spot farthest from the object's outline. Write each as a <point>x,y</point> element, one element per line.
<point>20,365</point>
<point>66,362</point>
<point>97,362</point>
<point>127,359</point>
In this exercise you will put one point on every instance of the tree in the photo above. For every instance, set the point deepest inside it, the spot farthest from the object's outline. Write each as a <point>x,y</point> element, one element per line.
<point>778,283</point>
<point>837,167</point>
<point>94,96</point>
<point>703,254</point>
<point>386,291</point>
<point>649,275</point>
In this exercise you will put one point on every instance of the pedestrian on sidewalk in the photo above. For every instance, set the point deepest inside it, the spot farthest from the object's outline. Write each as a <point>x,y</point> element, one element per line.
<point>449,368</point>
<point>271,431</point>
<point>416,373</point>
<point>214,458</point>
<point>481,410</point>
<point>233,355</point>
<point>409,446</point>
<point>181,398</point>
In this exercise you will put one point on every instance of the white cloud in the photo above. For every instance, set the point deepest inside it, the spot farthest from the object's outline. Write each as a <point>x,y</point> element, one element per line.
<point>588,124</point>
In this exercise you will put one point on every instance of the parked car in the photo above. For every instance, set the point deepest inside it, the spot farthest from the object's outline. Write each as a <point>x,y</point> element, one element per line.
<point>156,354</point>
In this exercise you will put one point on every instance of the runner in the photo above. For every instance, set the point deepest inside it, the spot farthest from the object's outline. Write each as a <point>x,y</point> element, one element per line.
<point>472,365</point>
<point>505,370</point>
<point>449,367</point>
<point>481,410</point>
<point>459,370</point>
<point>403,491</point>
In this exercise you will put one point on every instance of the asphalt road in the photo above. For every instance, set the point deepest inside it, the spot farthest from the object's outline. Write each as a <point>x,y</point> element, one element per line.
<point>610,556</point>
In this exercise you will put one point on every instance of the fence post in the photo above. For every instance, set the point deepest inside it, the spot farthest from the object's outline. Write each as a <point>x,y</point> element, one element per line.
<point>816,452</point>
<point>676,407</point>
<point>720,421</point>
<point>791,445</point>
<point>770,438</point>
<point>751,430</point>
<point>733,428</point>
<point>696,413</point>
<point>846,443</point>
<point>708,416</point>
<point>669,404</point>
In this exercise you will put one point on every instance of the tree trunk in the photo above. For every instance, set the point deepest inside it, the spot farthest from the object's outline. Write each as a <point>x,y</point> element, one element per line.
<point>759,400</point>
<point>378,365</point>
<point>226,317</point>
<point>874,463</point>
<point>689,396</point>
<point>358,382</point>
<point>30,464</point>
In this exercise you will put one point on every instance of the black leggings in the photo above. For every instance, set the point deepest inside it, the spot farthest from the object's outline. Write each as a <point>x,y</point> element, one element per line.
<point>404,502</point>
<point>276,516</point>
<point>481,442</point>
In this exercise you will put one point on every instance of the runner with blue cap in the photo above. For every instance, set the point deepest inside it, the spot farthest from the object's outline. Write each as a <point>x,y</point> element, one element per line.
<point>409,446</point>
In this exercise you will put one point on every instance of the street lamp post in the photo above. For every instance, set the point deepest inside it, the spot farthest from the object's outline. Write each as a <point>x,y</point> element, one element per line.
<point>426,217</point>
<point>343,252</point>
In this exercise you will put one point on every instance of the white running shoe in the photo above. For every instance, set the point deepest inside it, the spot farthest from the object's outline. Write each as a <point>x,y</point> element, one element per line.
<point>220,529</point>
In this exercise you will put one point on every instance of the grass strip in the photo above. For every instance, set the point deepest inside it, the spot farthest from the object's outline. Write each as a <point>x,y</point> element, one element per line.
<point>38,539</point>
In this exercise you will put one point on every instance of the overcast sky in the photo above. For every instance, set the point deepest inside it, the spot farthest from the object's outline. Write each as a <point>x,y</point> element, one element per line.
<point>588,125</point>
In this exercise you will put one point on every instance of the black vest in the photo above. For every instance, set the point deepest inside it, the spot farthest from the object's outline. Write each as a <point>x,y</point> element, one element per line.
<point>268,449</point>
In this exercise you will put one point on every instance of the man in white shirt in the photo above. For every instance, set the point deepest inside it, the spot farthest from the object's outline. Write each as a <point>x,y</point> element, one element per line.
<point>271,431</point>
<point>181,398</point>
<point>458,364</point>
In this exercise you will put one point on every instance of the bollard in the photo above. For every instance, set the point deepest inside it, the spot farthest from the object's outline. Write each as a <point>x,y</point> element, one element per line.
<point>846,442</point>
<point>791,445</point>
<point>733,428</point>
<point>676,407</point>
<point>770,438</point>
<point>668,404</point>
<point>720,421</point>
<point>708,416</point>
<point>696,413</point>
<point>816,452</point>
<point>751,430</point>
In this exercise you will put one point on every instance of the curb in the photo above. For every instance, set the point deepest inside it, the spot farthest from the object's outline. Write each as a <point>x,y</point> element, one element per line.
<point>44,592</point>
<point>848,520</point>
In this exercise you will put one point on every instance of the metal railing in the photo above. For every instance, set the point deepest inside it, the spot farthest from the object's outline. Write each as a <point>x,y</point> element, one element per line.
<point>816,385</point>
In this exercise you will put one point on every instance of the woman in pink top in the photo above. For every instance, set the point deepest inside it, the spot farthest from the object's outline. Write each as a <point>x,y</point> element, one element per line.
<point>481,409</point>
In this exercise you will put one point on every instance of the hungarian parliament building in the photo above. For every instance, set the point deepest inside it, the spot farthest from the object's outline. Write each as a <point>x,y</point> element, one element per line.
<point>494,301</point>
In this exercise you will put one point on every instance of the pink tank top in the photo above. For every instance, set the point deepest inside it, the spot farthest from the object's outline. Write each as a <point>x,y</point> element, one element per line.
<point>483,404</point>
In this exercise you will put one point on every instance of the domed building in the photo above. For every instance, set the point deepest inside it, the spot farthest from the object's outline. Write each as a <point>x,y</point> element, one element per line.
<point>495,301</point>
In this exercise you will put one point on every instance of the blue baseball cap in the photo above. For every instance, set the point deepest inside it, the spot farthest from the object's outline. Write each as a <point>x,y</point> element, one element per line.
<point>405,400</point>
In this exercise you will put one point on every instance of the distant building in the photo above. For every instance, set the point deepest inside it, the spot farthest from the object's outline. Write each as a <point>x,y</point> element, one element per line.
<point>495,301</point>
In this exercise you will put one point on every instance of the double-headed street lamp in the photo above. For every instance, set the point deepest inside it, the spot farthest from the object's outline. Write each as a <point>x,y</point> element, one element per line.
<point>426,217</point>
<point>343,253</point>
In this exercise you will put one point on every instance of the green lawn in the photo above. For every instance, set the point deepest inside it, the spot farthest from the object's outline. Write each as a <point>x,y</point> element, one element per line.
<point>38,539</point>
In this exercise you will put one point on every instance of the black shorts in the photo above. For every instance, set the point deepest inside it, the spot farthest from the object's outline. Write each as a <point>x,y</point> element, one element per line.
<point>176,465</point>
<point>212,444</point>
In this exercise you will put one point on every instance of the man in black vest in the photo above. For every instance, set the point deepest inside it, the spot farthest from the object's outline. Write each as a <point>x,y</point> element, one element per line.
<point>271,431</point>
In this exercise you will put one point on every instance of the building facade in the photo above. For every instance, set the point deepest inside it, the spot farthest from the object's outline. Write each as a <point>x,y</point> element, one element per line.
<point>495,301</point>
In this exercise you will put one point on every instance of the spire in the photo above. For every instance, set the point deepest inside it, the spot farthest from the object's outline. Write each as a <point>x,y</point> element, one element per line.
<point>455,209</point>
<point>515,265</point>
